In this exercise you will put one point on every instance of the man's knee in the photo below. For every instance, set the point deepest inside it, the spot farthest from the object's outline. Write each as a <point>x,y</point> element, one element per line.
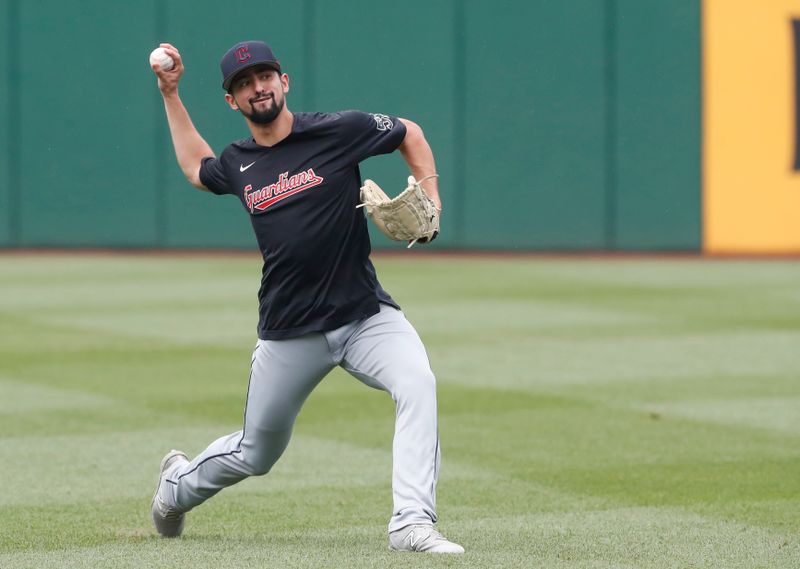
<point>414,383</point>
<point>262,451</point>
<point>258,468</point>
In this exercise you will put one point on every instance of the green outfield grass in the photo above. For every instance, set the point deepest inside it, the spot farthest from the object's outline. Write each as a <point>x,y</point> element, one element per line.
<point>594,413</point>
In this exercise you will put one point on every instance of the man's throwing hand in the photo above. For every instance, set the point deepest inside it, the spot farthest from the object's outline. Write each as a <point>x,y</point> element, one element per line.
<point>168,79</point>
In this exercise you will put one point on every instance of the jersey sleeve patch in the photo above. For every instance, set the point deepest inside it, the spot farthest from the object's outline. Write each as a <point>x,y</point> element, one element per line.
<point>383,122</point>
<point>370,134</point>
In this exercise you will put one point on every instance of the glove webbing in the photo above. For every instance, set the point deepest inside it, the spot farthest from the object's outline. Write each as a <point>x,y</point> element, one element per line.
<point>416,183</point>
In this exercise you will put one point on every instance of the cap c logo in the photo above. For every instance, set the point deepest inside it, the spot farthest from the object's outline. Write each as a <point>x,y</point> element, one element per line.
<point>242,54</point>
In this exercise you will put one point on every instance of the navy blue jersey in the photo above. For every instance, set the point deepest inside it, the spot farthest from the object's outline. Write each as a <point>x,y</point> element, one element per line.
<point>301,195</point>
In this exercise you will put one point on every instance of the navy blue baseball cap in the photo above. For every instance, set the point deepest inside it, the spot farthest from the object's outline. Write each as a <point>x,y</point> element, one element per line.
<point>244,55</point>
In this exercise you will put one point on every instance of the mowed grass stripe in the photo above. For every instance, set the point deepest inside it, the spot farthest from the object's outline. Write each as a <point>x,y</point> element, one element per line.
<point>594,413</point>
<point>623,537</point>
<point>534,363</point>
<point>771,413</point>
<point>126,462</point>
<point>20,397</point>
<point>60,460</point>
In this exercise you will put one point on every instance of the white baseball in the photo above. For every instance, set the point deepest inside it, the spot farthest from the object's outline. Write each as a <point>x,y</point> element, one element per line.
<point>158,55</point>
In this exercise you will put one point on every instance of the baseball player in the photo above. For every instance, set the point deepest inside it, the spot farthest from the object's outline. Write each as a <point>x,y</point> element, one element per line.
<point>320,302</point>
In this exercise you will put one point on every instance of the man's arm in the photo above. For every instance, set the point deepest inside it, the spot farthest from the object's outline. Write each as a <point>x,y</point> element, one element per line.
<point>418,155</point>
<point>190,147</point>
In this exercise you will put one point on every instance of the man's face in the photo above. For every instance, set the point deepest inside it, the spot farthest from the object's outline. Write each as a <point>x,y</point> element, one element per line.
<point>259,94</point>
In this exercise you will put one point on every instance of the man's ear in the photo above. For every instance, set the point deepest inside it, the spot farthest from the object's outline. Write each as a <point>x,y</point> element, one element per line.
<point>231,101</point>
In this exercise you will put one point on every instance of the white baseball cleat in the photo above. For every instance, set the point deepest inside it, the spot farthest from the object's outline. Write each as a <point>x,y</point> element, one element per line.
<point>168,520</point>
<point>422,538</point>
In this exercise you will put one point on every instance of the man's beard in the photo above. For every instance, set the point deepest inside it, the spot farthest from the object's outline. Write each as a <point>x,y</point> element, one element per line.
<point>267,115</point>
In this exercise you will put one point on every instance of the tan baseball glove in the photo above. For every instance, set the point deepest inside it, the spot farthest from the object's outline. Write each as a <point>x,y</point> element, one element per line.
<point>411,216</point>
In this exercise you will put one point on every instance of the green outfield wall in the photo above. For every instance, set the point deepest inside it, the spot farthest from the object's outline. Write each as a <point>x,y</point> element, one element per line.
<point>557,124</point>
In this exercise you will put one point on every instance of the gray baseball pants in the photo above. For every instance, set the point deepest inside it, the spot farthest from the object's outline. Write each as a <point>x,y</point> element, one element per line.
<point>382,351</point>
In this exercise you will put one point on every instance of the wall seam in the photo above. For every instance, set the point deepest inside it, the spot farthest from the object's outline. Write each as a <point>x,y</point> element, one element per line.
<point>611,181</point>
<point>160,147</point>
<point>14,132</point>
<point>460,177</point>
<point>701,181</point>
<point>309,54</point>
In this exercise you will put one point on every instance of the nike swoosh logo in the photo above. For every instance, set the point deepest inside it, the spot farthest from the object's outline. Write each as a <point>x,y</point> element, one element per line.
<point>242,167</point>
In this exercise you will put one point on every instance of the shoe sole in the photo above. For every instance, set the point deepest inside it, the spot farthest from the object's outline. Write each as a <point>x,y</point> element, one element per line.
<point>170,455</point>
<point>430,551</point>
